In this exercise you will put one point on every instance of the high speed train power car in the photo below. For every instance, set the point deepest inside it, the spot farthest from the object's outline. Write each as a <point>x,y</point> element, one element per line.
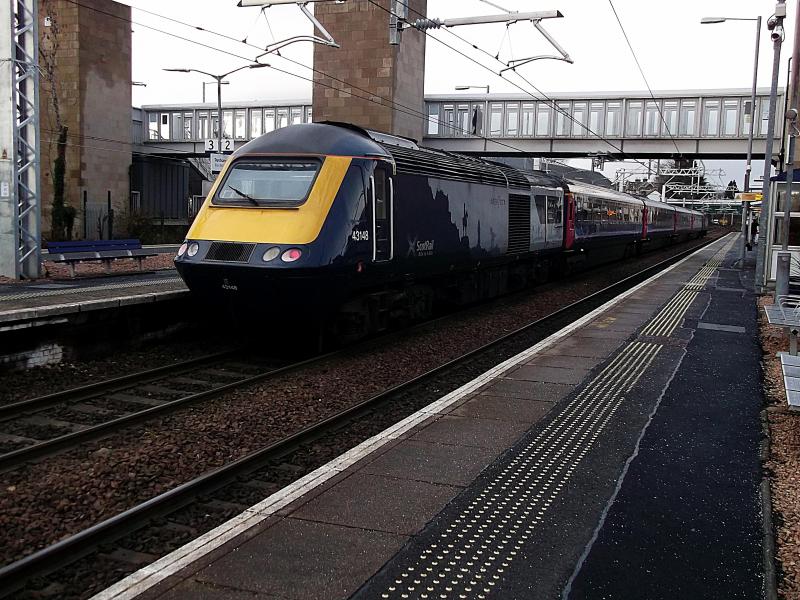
<point>329,220</point>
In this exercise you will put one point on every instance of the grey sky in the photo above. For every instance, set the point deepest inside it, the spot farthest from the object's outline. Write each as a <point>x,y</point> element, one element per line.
<point>675,51</point>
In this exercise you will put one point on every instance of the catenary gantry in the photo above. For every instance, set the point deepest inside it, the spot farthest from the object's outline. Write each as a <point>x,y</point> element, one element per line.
<point>696,123</point>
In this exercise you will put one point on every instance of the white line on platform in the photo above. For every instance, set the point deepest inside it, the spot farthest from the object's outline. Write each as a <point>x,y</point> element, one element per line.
<point>149,576</point>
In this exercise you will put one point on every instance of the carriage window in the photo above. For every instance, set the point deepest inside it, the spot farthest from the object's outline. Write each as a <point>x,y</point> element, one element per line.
<point>381,195</point>
<point>433,119</point>
<point>279,183</point>
<point>583,215</point>
<point>553,211</point>
<point>541,209</point>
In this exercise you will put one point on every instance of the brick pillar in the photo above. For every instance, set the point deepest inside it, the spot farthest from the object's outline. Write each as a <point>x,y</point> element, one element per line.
<point>366,60</point>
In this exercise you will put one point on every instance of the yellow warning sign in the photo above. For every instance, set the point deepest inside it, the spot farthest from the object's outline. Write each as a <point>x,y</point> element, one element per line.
<point>749,197</point>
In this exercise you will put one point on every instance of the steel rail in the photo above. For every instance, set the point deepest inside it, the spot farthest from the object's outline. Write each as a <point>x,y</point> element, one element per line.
<point>70,549</point>
<point>85,392</point>
<point>18,457</point>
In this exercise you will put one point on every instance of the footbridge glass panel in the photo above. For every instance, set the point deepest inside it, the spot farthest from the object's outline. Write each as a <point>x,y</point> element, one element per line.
<point>700,122</point>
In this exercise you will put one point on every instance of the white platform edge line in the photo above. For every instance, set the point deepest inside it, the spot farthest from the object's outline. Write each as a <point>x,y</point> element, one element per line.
<point>43,311</point>
<point>147,577</point>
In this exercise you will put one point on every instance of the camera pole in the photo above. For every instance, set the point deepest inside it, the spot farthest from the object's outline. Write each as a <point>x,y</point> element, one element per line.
<point>775,25</point>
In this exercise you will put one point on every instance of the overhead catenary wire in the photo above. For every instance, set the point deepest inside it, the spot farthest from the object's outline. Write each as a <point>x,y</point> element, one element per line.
<point>644,77</point>
<point>406,109</point>
<point>115,141</point>
<point>544,97</point>
<point>50,137</point>
<point>370,98</point>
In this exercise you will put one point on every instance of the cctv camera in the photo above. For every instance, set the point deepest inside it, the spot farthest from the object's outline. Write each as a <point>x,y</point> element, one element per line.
<point>771,22</point>
<point>777,33</point>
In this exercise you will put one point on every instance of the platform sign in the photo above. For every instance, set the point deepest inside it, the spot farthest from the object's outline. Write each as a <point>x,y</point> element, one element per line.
<point>218,162</point>
<point>211,145</point>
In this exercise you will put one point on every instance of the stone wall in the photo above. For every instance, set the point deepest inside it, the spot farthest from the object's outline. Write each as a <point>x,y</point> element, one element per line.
<point>366,80</point>
<point>105,78</point>
<point>85,53</point>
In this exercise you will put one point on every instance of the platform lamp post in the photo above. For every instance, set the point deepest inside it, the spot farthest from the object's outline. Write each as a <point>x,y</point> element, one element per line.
<point>775,25</point>
<point>218,79</point>
<point>748,168</point>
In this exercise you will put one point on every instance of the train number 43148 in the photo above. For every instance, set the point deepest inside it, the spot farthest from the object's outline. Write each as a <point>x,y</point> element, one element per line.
<point>360,235</point>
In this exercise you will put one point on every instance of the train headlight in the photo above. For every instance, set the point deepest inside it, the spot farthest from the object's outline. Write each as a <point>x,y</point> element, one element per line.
<point>194,248</point>
<point>182,249</point>
<point>271,254</point>
<point>291,255</point>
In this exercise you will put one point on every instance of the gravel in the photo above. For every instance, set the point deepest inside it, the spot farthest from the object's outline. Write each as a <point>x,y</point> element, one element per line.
<point>783,464</point>
<point>42,503</point>
<point>30,383</point>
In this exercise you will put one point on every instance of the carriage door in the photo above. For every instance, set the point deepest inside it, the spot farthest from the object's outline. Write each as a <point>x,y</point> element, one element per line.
<point>539,221</point>
<point>382,208</point>
<point>555,219</point>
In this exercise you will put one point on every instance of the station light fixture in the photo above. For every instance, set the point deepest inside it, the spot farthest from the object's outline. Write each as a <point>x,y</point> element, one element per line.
<point>461,88</point>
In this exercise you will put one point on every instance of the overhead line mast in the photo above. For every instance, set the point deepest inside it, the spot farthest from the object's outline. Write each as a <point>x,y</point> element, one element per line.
<point>20,194</point>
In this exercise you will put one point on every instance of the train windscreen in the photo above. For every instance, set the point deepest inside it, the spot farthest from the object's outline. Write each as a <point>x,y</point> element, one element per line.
<point>268,183</point>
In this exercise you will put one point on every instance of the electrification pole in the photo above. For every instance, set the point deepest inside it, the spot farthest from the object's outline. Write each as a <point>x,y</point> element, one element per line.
<point>784,261</point>
<point>220,122</point>
<point>749,167</point>
<point>20,207</point>
<point>775,25</point>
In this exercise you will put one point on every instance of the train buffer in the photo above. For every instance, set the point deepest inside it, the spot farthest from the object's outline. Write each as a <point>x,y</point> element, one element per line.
<point>92,250</point>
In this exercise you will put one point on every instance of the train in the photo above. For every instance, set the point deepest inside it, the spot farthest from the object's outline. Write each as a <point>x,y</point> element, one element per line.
<point>334,225</point>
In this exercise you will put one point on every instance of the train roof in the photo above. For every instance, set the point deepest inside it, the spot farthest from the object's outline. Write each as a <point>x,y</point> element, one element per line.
<point>316,138</point>
<point>602,192</point>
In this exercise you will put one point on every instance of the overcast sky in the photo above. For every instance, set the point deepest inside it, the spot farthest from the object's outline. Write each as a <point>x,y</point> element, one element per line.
<point>675,51</point>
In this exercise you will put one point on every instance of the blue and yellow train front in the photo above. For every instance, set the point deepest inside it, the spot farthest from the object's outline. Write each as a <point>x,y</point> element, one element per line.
<point>279,227</point>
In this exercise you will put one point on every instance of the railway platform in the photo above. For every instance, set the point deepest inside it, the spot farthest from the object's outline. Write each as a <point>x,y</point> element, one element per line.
<point>21,302</point>
<point>40,320</point>
<point>618,458</point>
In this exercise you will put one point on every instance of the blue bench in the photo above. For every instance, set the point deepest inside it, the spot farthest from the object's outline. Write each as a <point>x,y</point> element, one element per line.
<point>102,250</point>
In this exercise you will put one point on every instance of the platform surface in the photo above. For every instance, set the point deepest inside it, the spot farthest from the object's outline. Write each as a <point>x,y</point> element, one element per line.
<point>619,458</point>
<point>46,298</point>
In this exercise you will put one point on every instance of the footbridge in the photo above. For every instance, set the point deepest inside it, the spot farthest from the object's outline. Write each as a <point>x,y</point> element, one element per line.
<point>702,124</point>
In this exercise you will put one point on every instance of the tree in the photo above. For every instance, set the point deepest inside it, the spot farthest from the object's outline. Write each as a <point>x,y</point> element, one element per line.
<point>730,191</point>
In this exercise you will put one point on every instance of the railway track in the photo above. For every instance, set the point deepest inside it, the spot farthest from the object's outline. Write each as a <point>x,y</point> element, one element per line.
<point>141,534</point>
<point>32,429</point>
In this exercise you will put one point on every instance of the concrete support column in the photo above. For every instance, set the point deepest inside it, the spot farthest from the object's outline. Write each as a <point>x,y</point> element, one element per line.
<point>367,81</point>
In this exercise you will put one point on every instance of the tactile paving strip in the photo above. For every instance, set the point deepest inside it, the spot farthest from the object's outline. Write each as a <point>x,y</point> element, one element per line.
<point>472,551</point>
<point>671,316</point>
<point>83,290</point>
